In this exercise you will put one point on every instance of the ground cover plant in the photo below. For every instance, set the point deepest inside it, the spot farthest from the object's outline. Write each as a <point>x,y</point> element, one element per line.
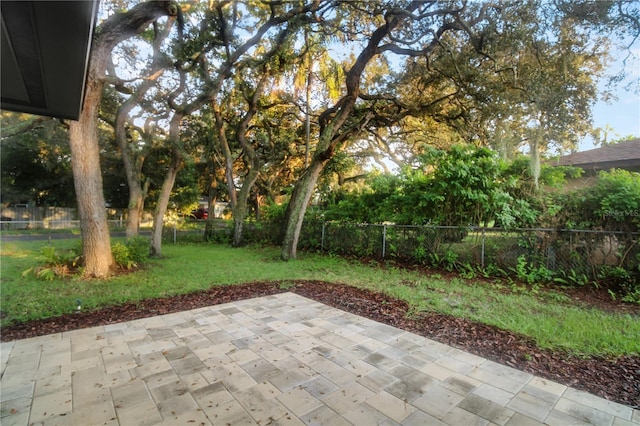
<point>591,345</point>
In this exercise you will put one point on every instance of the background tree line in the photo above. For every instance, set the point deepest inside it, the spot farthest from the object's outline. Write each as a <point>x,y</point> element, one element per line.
<point>265,102</point>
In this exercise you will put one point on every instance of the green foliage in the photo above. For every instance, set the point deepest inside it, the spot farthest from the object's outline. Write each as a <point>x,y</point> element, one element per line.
<point>449,261</point>
<point>55,263</point>
<point>420,253</point>
<point>221,233</point>
<point>138,248</point>
<point>274,213</point>
<point>35,161</point>
<point>461,186</point>
<point>530,273</point>
<point>374,204</point>
<point>571,277</point>
<point>632,297</point>
<point>131,253</point>
<point>620,279</point>
<point>514,203</point>
<point>448,188</point>
<point>62,263</point>
<point>616,198</point>
<point>613,203</point>
<point>491,270</point>
<point>121,255</point>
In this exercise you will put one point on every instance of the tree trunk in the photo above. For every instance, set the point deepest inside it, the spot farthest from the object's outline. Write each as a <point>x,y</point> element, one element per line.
<point>534,146</point>
<point>163,202</point>
<point>307,103</point>
<point>328,143</point>
<point>167,184</point>
<point>132,159</point>
<point>297,207</point>
<point>240,208</point>
<point>87,177</point>
<point>136,193</point>
<point>135,209</point>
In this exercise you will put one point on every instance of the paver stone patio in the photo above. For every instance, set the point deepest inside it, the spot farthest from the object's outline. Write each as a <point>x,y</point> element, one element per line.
<point>274,360</point>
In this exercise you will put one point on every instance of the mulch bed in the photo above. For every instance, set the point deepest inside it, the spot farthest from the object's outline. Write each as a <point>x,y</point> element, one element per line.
<point>614,379</point>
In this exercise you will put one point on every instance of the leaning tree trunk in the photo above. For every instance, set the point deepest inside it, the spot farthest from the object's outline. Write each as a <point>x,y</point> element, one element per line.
<point>163,202</point>
<point>300,198</point>
<point>328,143</point>
<point>167,184</point>
<point>132,168</point>
<point>137,195</point>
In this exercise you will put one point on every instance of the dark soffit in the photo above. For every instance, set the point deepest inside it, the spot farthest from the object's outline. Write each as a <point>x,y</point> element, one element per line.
<point>45,55</point>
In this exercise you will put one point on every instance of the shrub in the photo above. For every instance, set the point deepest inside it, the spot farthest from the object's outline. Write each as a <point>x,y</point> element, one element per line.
<point>138,249</point>
<point>131,253</point>
<point>613,203</point>
<point>56,263</point>
<point>122,256</point>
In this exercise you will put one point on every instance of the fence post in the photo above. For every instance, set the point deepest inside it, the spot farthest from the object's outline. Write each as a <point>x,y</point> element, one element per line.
<point>384,240</point>
<point>482,252</point>
<point>175,232</point>
<point>322,238</point>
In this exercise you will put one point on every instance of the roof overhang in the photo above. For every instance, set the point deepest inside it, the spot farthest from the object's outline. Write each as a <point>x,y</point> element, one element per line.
<point>45,55</point>
<point>632,165</point>
<point>622,155</point>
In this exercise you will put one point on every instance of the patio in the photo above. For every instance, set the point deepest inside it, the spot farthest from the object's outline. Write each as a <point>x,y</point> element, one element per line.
<point>281,359</point>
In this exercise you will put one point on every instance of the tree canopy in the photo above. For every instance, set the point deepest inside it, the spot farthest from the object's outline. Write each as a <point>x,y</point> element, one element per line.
<point>272,98</point>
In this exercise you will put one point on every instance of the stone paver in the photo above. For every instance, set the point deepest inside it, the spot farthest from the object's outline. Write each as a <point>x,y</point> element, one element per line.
<point>280,359</point>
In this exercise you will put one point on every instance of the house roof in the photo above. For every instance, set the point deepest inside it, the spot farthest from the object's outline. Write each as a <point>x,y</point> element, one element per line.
<point>45,54</point>
<point>622,155</point>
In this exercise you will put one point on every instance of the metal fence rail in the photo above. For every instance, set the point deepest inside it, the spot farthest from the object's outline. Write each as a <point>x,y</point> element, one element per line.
<point>27,225</point>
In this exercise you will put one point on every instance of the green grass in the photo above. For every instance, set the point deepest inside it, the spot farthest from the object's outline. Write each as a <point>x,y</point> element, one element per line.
<point>548,318</point>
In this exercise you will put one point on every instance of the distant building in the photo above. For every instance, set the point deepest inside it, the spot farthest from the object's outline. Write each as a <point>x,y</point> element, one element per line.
<point>623,155</point>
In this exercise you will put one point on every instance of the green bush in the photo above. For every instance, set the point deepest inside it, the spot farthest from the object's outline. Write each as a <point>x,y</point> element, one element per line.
<point>122,256</point>
<point>613,203</point>
<point>131,253</point>
<point>219,234</point>
<point>56,263</point>
<point>138,249</point>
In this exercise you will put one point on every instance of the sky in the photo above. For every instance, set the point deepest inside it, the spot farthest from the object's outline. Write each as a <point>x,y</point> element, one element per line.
<point>622,115</point>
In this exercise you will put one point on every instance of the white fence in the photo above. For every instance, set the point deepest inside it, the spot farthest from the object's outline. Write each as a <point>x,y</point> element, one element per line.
<point>27,217</point>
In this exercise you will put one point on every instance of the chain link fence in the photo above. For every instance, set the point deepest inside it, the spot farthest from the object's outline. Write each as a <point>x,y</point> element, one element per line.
<point>574,255</point>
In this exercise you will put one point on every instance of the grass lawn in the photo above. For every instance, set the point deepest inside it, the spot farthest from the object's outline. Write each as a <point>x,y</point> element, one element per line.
<point>547,317</point>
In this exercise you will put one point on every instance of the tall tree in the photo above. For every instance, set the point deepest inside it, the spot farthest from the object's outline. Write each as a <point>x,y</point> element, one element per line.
<point>469,52</point>
<point>85,153</point>
<point>343,120</point>
<point>221,48</point>
<point>131,151</point>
